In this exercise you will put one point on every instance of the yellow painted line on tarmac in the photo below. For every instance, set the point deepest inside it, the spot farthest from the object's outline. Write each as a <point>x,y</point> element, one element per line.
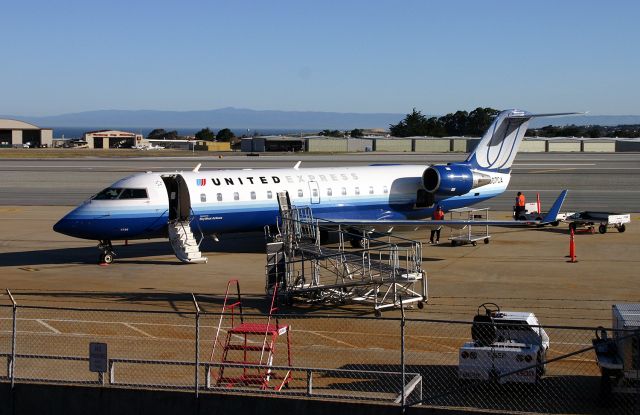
<point>10,210</point>
<point>552,170</point>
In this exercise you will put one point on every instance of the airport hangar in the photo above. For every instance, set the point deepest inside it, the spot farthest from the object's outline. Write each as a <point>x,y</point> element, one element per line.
<point>18,133</point>
<point>112,139</point>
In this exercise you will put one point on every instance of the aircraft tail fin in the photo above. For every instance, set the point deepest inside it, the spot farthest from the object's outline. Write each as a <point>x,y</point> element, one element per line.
<point>552,215</point>
<point>499,145</point>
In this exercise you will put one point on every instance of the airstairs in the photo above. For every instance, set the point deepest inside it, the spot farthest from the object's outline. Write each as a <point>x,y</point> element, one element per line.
<point>386,271</point>
<point>184,243</point>
<point>249,348</point>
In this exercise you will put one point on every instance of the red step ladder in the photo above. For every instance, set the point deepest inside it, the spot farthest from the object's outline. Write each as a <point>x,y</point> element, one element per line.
<point>250,344</point>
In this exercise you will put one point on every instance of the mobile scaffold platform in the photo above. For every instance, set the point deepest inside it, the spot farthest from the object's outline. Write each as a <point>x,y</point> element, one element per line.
<point>383,271</point>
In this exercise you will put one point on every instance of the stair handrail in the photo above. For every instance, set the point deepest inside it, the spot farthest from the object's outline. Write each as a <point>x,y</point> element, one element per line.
<point>272,309</point>
<point>228,307</point>
<point>191,218</point>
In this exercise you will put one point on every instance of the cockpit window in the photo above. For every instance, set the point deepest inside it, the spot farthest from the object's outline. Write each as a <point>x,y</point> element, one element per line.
<point>133,194</point>
<point>113,193</point>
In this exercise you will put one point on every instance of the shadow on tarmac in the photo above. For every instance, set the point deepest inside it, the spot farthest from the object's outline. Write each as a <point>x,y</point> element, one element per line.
<point>134,253</point>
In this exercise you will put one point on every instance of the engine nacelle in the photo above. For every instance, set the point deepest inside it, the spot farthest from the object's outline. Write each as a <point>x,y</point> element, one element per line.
<point>452,179</point>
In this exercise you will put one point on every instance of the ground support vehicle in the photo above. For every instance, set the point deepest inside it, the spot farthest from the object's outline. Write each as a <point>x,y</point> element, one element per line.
<point>465,235</point>
<point>507,346</point>
<point>618,356</point>
<point>604,220</point>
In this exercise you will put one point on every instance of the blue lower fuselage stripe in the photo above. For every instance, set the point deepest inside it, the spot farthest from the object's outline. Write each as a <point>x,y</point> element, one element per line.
<point>151,221</point>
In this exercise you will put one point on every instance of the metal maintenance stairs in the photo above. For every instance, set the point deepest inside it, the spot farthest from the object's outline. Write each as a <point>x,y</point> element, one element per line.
<point>249,348</point>
<point>184,244</point>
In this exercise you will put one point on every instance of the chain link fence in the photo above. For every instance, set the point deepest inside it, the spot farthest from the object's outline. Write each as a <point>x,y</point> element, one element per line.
<point>373,359</point>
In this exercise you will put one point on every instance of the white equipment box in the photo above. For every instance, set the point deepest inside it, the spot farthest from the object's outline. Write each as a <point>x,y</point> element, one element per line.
<point>626,319</point>
<point>507,346</point>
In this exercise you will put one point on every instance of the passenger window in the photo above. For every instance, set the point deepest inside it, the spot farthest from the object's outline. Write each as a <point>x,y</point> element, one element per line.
<point>300,193</point>
<point>269,194</point>
<point>315,192</point>
<point>253,195</point>
<point>203,197</point>
<point>236,196</point>
<point>357,190</point>
<point>329,191</point>
<point>219,197</point>
<point>370,190</point>
<point>385,190</point>
<point>344,191</point>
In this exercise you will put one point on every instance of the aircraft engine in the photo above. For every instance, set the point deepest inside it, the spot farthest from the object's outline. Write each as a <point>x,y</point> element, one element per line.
<point>453,179</point>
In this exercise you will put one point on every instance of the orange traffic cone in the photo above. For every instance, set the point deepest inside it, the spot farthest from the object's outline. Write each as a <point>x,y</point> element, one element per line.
<point>572,247</point>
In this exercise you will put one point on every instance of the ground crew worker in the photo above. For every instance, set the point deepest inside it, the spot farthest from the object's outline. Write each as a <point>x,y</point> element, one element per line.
<point>438,214</point>
<point>519,209</point>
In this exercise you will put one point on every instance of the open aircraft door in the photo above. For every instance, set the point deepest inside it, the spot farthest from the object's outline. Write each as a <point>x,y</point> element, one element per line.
<point>179,199</point>
<point>315,192</point>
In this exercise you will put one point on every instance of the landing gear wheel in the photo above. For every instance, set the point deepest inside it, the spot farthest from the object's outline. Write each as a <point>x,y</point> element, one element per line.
<point>572,226</point>
<point>474,243</point>
<point>107,258</point>
<point>420,305</point>
<point>454,243</point>
<point>622,228</point>
<point>486,241</point>
<point>555,223</point>
<point>602,228</point>
<point>377,313</point>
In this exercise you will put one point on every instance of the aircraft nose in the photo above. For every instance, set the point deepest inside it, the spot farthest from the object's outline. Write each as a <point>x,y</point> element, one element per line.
<point>63,226</point>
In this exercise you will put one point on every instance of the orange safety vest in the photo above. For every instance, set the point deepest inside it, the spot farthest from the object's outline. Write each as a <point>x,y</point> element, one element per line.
<point>438,215</point>
<point>520,201</point>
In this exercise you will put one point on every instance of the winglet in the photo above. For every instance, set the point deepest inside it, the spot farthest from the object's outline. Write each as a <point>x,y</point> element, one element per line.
<point>552,215</point>
<point>297,165</point>
<point>197,168</point>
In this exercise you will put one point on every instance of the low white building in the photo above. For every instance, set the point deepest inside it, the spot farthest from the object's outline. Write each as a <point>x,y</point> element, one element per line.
<point>113,139</point>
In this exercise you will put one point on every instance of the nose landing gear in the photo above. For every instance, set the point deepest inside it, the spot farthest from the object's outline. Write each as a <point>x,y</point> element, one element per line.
<point>106,257</point>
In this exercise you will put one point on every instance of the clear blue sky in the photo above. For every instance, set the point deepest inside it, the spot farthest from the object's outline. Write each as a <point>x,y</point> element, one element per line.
<point>347,56</point>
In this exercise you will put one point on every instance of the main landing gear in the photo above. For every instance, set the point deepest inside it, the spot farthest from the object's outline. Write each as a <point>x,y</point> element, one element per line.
<point>106,257</point>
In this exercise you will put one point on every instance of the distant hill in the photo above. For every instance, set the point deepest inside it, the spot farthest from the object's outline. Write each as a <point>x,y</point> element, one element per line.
<point>238,118</point>
<point>218,118</point>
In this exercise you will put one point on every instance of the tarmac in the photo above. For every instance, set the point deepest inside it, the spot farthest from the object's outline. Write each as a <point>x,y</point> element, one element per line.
<point>521,269</point>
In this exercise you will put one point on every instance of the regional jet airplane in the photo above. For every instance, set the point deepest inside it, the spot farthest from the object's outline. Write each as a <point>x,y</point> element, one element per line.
<point>149,205</point>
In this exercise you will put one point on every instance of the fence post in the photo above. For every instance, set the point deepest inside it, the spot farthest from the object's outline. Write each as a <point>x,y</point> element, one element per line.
<point>197,380</point>
<point>637,403</point>
<point>402,323</point>
<point>13,340</point>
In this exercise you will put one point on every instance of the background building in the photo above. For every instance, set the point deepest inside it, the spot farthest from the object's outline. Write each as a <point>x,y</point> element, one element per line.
<point>113,139</point>
<point>14,133</point>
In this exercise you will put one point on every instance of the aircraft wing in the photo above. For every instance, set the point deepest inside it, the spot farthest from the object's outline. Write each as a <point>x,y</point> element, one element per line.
<point>389,225</point>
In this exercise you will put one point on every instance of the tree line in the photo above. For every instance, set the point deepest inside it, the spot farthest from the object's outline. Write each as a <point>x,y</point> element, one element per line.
<point>476,122</point>
<point>591,131</point>
<point>205,134</point>
<point>459,123</point>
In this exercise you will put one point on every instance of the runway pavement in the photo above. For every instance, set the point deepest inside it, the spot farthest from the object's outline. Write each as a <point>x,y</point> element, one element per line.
<point>596,181</point>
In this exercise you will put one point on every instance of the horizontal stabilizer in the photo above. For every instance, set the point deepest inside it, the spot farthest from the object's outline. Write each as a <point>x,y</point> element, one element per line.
<point>552,215</point>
